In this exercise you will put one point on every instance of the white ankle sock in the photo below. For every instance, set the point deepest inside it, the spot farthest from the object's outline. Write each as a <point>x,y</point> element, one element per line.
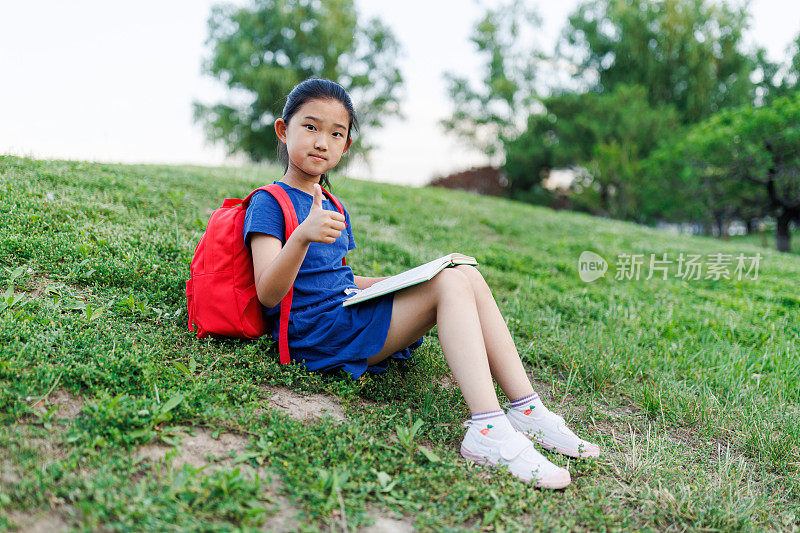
<point>495,421</point>
<point>528,404</point>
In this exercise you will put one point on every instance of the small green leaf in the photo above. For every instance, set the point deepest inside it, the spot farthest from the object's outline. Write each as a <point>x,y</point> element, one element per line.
<point>16,273</point>
<point>184,369</point>
<point>139,433</point>
<point>172,403</point>
<point>430,454</point>
<point>246,456</point>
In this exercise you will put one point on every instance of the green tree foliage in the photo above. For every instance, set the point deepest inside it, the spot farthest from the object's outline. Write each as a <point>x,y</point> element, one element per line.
<point>687,53</point>
<point>495,111</point>
<point>741,162</point>
<point>607,135</point>
<point>689,180</point>
<point>261,51</point>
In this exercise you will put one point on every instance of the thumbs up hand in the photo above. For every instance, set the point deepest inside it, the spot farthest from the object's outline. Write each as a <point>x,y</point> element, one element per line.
<point>321,225</point>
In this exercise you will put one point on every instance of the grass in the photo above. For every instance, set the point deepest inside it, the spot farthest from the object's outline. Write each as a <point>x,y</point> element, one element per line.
<point>690,386</point>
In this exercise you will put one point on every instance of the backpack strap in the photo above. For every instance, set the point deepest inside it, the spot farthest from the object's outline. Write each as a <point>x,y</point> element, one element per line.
<point>290,220</point>
<point>267,188</point>
<point>339,207</point>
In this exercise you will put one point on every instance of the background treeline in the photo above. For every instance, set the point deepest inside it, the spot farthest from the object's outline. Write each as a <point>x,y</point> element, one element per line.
<point>663,115</point>
<point>658,107</point>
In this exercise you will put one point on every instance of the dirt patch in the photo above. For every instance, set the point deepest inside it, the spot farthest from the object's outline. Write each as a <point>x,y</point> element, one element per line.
<point>38,522</point>
<point>286,519</point>
<point>50,449</point>
<point>448,382</point>
<point>384,524</point>
<point>69,405</point>
<point>310,407</point>
<point>39,283</point>
<point>201,449</point>
<point>8,474</point>
<point>47,442</point>
<point>198,449</point>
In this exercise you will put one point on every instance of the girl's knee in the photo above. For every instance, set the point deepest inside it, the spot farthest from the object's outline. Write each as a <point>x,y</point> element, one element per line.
<point>452,281</point>
<point>472,273</point>
<point>474,276</point>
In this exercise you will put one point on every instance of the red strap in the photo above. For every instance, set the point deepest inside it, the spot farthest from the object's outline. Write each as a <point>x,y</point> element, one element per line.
<point>189,307</point>
<point>339,207</point>
<point>246,201</point>
<point>334,200</point>
<point>290,219</point>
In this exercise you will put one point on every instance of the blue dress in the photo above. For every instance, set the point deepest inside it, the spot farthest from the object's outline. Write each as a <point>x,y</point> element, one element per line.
<point>323,335</point>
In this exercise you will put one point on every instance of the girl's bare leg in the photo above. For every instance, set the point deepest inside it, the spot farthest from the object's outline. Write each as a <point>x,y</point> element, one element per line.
<point>504,360</point>
<point>447,301</point>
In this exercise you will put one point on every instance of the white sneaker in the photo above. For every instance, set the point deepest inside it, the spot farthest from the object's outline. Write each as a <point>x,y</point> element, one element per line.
<point>497,443</point>
<point>550,431</point>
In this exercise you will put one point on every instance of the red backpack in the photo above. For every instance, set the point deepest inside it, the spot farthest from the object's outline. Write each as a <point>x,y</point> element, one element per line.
<point>221,294</point>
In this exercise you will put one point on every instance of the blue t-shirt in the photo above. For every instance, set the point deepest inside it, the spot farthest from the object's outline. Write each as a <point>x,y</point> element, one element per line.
<point>323,334</point>
<point>322,274</point>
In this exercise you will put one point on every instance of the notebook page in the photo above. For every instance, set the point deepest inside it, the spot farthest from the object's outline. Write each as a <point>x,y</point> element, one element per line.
<point>420,273</point>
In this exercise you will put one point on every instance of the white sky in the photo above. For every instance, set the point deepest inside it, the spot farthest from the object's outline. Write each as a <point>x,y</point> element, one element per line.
<point>114,81</point>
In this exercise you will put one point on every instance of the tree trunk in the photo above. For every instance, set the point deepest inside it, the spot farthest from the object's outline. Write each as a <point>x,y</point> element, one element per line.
<point>782,236</point>
<point>604,200</point>
<point>722,228</point>
<point>750,225</point>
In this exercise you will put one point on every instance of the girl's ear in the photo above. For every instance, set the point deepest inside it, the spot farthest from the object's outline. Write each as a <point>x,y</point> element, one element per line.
<point>280,129</point>
<point>346,146</point>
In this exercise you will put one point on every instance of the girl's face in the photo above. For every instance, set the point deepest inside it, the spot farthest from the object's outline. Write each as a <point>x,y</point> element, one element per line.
<point>316,137</point>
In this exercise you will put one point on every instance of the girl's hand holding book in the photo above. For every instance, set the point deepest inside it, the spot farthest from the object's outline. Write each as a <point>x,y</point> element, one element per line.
<point>321,225</point>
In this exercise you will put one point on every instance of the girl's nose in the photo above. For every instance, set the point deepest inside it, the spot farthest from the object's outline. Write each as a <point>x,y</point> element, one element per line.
<point>319,143</point>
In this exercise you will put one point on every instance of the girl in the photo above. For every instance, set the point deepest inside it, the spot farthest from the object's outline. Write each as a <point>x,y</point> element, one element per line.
<point>314,131</point>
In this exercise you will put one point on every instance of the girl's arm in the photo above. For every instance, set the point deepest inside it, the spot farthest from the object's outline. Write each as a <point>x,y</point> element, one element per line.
<point>363,282</point>
<point>275,268</point>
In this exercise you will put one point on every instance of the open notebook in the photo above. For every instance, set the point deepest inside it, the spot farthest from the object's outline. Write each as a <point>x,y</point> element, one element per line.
<point>410,277</point>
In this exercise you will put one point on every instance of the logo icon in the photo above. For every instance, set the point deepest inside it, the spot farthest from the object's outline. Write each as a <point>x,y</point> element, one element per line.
<point>591,266</point>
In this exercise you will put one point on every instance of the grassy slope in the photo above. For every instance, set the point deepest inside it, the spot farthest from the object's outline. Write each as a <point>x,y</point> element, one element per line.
<point>691,387</point>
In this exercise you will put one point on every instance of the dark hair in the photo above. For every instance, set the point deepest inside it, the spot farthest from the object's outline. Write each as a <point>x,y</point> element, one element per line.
<point>311,89</point>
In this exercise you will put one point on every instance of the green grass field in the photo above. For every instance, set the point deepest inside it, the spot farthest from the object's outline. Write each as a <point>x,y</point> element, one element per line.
<point>114,417</point>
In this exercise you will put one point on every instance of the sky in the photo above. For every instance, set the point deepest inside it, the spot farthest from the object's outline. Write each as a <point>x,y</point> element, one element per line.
<point>114,81</point>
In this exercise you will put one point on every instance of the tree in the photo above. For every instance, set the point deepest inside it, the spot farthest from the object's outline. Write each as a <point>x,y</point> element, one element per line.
<point>690,179</point>
<point>687,53</point>
<point>768,155</point>
<point>263,50</point>
<point>607,135</point>
<point>498,108</point>
<point>742,162</point>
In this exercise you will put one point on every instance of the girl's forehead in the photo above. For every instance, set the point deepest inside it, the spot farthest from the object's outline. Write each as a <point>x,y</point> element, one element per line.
<point>327,110</point>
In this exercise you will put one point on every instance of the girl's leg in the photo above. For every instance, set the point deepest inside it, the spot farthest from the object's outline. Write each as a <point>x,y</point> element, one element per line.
<point>447,301</point>
<point>545,427</point>
<point>504,360</point>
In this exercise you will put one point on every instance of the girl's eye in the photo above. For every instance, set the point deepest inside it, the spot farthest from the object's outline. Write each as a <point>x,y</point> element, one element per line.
<point>312,128</point>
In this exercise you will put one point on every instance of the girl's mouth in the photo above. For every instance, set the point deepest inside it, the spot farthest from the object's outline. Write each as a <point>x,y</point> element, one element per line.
<point>318,158</point>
